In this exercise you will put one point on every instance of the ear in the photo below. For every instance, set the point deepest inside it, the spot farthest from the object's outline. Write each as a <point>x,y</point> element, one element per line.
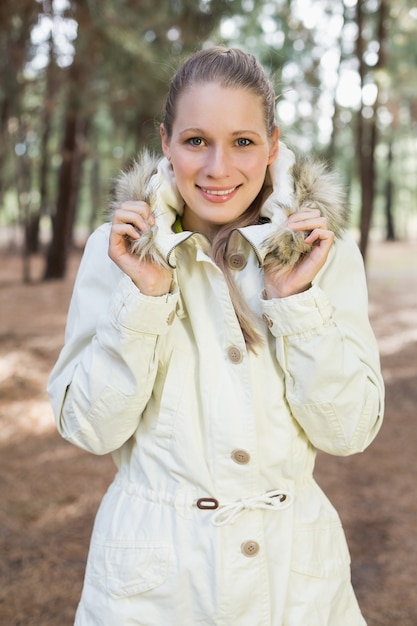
<point>274,146</point>
<point>164,140</point>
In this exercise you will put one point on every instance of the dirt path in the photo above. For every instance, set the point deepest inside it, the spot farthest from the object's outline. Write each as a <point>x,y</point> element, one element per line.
<point>375,491</point>
<point>49,490</point>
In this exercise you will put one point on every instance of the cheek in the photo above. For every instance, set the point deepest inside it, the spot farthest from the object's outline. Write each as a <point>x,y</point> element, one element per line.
<point>182,167</point>
<point>254,165</point>
<point>183,177</point>
<point>257,174</point>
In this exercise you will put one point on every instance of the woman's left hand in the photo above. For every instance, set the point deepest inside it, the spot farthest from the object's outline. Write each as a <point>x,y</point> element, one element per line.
<point>287,281</point>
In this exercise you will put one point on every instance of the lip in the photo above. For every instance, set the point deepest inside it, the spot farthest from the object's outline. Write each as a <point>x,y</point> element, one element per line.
<point>218,194</point>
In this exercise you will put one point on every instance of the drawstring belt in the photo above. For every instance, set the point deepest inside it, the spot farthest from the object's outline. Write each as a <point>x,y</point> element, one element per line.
<point>275,500</point>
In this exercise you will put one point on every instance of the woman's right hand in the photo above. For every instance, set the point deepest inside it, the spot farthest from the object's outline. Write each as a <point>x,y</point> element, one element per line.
<point>130,220</point>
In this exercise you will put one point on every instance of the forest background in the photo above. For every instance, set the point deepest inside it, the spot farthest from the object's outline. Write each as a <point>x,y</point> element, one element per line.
<point>82,85</point>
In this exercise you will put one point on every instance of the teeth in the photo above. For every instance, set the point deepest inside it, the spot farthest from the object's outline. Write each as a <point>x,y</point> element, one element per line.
<point>222,192</point>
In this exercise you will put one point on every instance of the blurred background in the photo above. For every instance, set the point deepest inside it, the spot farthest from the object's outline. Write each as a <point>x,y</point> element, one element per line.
<point>83,84</point>
<point>82,87</point>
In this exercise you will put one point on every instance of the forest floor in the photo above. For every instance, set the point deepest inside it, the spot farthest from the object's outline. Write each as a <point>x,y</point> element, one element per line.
<point>49,490</point>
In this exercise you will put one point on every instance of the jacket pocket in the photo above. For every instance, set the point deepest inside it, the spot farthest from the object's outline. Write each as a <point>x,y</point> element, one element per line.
<point>132,568</point>
<point>320,551</point>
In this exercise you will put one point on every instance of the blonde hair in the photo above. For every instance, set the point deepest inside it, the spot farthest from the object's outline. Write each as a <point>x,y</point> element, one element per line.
<point>236,69</point>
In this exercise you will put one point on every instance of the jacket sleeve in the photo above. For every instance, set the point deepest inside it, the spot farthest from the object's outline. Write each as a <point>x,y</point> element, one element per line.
<point>106,370</point>
<point>329,355</point>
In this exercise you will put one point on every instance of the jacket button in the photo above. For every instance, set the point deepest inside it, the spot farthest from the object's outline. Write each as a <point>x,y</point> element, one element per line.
<point>267,320</point>
<point>234,354</point>
<point>241,456</point>
<point>236,261</point>
<point>250,548</point>
<point>171,318</point>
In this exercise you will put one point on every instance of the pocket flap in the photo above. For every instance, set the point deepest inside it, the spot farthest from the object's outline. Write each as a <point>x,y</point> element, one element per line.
<point>320,551</point>
<point>134,568</point>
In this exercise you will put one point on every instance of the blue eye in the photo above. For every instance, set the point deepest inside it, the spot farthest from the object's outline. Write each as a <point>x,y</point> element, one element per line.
<point>242,141</point>
<point>195,141</point>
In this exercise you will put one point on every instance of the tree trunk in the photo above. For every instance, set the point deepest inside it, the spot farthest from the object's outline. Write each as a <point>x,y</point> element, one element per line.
<point>332,148</point>
<point>76,124</point>
<point>390,233</point>
<point>22,173</point>
<point>75,131</point>
<point>4,114</point>
<point>95,193</point>
<point>46,129</point>
<point>68,188</point>
<point>367,178</point>
<point>367,130</point>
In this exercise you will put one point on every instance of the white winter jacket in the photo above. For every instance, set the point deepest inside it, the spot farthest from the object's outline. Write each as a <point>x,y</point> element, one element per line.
<point>214,517</point>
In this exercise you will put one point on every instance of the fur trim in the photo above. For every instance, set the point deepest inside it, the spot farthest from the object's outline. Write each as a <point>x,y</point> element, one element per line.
<point>296,184</point>
<point>315,187</point>
<point>134,184</point>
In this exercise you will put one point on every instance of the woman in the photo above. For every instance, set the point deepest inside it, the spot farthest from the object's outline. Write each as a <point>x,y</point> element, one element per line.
<point>217,336</point>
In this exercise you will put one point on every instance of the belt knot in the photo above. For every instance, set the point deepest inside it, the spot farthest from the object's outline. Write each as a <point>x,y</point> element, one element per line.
<point>275,500</point>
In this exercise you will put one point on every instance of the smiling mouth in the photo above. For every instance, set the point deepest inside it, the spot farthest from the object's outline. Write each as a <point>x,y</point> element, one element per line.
<point>219,192</point>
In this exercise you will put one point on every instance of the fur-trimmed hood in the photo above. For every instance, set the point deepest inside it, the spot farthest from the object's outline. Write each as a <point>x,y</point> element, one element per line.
<point>290,185</point>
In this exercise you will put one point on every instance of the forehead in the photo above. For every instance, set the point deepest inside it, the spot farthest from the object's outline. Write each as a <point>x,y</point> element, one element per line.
<point>218,106</point>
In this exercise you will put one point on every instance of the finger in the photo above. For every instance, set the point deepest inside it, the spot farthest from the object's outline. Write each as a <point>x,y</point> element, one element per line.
<point>142,219</point>
<point>322,238</point>
<point>308,224</point>
<point>123,230</point>
<point>304,214</point>
<point>138,206</point>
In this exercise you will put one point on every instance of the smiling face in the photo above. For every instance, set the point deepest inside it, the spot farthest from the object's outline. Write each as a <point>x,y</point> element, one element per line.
<point>219,149</point>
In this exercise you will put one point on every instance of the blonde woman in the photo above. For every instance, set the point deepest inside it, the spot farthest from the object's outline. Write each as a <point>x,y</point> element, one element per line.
<point>217,337</point>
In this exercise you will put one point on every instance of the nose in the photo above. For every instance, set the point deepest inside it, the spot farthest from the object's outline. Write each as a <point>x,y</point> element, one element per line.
<point>218,162</point>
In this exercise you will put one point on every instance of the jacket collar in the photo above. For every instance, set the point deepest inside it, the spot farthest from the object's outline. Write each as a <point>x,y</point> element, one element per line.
<point>168,204</point>
<point>289,185</point>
